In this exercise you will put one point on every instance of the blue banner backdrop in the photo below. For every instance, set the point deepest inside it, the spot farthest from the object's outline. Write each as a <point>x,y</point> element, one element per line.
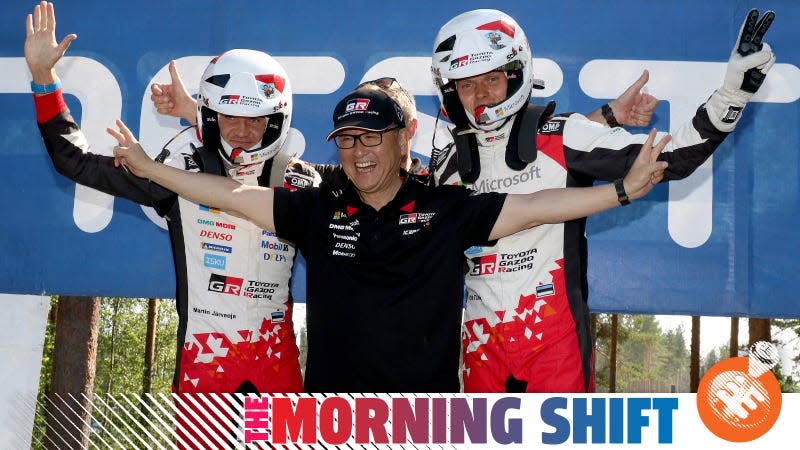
<point>722,243</point>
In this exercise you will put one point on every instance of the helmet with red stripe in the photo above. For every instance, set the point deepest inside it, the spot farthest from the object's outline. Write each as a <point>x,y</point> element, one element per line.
<point>478,42</point>
<point>244,83</point>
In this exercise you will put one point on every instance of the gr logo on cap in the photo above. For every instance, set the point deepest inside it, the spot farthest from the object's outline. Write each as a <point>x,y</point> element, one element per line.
<point>357,104</point>
<point>366,109</point>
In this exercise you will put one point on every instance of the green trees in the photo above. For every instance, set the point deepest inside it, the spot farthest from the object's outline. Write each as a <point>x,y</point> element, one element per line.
<point>648,359</point>
<point>120,358</point>
<point>121,346</point>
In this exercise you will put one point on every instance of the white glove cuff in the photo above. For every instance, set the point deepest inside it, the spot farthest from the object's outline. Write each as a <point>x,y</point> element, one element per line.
<point>725,108</point>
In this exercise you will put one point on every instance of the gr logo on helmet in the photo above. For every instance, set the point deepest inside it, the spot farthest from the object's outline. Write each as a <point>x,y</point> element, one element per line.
<point>459,62</point>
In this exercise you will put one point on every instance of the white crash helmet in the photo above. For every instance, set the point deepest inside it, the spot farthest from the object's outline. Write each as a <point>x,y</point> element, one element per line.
<point>474,43</point>
<point>245,83</point>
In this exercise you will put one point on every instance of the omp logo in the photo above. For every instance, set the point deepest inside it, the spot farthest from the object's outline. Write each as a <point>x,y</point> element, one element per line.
<point>215,247</point>
<point>214,261</point>
<point>225,285</point>
<point>552,127</point>
<point>357,104</point>
<point>484,265</point>
<point>739,399</point>
<point>299,181</point>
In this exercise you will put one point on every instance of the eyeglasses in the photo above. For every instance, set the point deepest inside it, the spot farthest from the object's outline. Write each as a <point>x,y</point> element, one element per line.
<point>368,139</point>
<point>386,83</point>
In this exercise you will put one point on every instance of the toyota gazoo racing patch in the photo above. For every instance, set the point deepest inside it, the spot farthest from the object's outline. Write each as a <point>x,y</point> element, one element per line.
<point>243,100</point>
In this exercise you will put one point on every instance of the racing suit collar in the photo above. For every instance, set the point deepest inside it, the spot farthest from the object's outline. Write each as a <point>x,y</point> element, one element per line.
<point>492,138</point>
<point>244,174</point>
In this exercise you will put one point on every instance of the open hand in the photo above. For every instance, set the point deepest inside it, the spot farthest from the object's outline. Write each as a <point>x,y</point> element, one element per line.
<point>42,52</point>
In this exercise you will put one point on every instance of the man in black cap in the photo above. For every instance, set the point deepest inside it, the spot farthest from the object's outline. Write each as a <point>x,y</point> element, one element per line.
<point>369,329</point>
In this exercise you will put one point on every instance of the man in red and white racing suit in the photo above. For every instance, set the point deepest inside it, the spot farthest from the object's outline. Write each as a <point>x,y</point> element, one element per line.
<point>526,325</point>
<point>526,314</point>
<point>235,329</point>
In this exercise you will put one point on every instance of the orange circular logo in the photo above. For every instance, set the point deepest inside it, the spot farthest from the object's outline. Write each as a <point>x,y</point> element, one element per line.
<point>739,399</point>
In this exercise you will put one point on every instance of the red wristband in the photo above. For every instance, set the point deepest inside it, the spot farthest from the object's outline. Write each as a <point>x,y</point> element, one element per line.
<point>49,105</point>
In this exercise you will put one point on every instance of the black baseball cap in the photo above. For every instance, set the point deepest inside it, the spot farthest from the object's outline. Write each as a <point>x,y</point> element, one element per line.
<point>366,109</point>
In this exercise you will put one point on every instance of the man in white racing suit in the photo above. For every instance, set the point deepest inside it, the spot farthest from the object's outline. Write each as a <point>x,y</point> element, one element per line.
<point>527,321</point>
<point>232,278</point>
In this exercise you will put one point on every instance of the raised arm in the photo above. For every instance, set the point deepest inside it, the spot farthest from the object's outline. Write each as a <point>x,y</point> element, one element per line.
<point>42,51</point>
<point>66,144</point>
<point>750,61</point>
<point>253,203</point>
<point>559,205</point>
